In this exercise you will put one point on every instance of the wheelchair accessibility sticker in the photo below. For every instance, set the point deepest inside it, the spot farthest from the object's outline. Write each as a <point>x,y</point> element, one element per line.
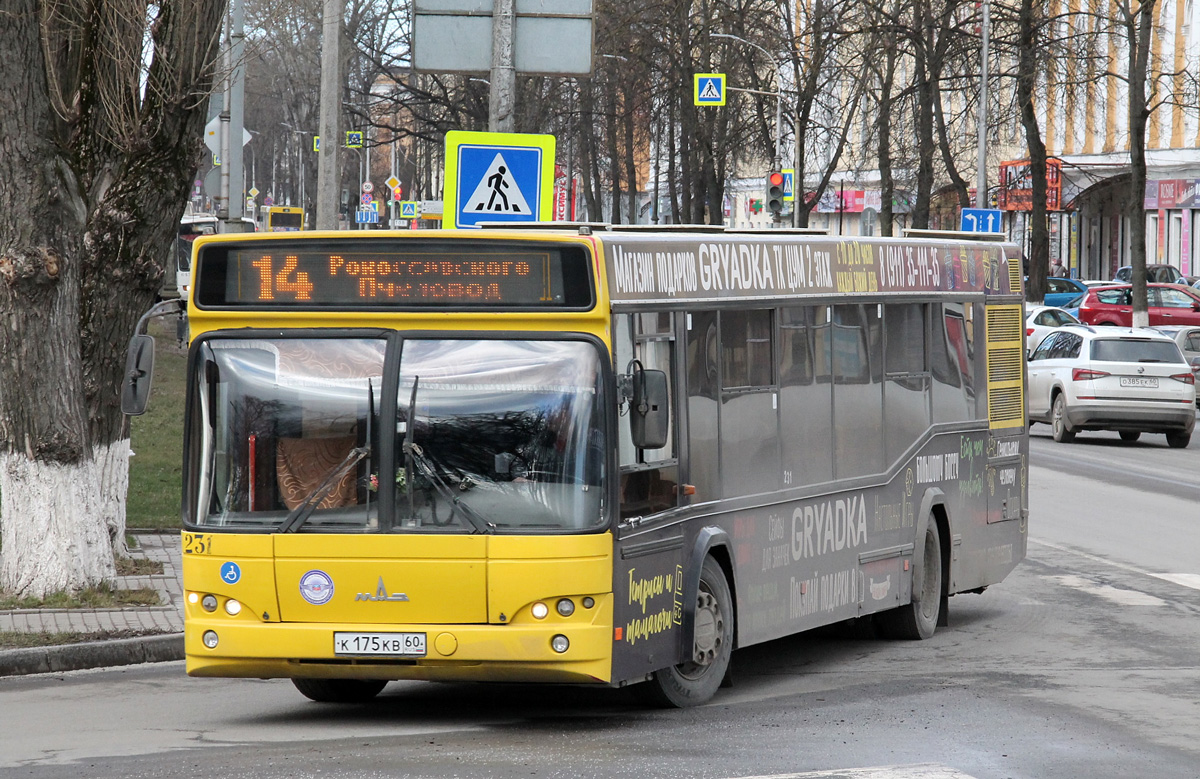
<point>231,573</point>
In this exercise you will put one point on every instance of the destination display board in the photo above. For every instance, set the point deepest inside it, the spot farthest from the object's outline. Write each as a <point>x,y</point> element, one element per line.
<point>722,267</point>
<point>374,273</point>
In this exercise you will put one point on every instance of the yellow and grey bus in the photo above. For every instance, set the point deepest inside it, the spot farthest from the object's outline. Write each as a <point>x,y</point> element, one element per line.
<point>283,219</point>
<point>588,454</point>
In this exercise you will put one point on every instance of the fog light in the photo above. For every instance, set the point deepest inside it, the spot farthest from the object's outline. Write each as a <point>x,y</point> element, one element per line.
<point>210,639</point>
<point>566,607</point>
<point>193,597</point>
<point>232,607</point>
<point>559,643</point>
<point>209,602</point>
<point>588,602</point>
<point>540,610</point>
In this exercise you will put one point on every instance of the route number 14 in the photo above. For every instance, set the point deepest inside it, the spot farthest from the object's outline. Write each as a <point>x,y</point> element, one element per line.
<point>287,279</point>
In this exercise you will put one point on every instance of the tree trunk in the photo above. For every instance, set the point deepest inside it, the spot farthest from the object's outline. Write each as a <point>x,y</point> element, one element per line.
<point>887,184</point>
<point>47,483</point>
<point>1139,28</point>
<point>98,160</point>
<point>1027,75</point>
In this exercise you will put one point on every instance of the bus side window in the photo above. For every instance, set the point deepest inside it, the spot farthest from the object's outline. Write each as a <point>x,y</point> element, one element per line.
<point>749,421</point>
<point>805,395</point>
<point>649,477</point>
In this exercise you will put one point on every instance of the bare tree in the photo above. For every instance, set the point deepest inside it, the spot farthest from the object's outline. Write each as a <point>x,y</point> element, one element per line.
<point>102,114</point>
<point>1137,25</point>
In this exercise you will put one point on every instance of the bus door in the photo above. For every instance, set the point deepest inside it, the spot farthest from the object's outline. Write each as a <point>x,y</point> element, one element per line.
<point>648,569</point>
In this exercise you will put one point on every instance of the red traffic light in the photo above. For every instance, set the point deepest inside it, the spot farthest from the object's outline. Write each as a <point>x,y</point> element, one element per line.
<point>775,179</point>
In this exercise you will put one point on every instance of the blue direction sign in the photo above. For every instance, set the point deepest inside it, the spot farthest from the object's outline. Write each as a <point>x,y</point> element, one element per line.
<point>498,177</point>
<point>982,220</point>
<point>366,216</point>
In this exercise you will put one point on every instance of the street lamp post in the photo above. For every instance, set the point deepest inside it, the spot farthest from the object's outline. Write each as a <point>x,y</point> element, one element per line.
<point>778,158</point>
<point>981,172</point>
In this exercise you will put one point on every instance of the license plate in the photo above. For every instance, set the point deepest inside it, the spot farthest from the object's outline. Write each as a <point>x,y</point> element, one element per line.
<point>1139,381</point>
<point>388,644</point>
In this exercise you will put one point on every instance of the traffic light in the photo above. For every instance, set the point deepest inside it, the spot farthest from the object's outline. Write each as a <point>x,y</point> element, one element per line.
<point>775,193</point>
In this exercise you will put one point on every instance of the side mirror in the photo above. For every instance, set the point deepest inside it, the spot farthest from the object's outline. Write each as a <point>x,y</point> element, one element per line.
<point>139,368</point>
<point>649,414</point>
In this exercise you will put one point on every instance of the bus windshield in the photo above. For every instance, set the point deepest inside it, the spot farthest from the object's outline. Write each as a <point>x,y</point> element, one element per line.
<point>510,431</point>
<point>487,436</point>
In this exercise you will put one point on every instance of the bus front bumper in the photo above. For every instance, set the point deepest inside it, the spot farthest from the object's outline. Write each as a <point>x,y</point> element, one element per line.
<point>510,653</point>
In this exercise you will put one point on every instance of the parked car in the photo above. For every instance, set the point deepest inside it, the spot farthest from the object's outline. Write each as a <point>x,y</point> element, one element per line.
<point>1041,321</point>
<point>1167,304</point>
<point>1162,274</point>
<point>1060,290</point>
<point>1130,380</point>
<point>1187,338</point>
<point>1072,305</point>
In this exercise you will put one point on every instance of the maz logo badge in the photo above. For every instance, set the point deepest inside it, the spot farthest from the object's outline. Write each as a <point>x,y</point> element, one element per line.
<point>381,593</point>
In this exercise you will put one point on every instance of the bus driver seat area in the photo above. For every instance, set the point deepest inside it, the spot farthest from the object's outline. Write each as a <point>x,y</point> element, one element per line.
<point>302,463</point>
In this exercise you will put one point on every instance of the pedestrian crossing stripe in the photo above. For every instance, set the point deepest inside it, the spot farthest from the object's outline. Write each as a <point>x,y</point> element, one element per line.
<point>911,771</point>
<point>708,89</point>
<point>497,192</point>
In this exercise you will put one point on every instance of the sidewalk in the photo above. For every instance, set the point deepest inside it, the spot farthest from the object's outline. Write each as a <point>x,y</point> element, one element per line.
<point>163,625</point>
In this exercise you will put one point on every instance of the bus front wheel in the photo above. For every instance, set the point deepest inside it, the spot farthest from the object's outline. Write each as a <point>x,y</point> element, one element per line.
<point>695,681</point>
<point>919,619</point>
<point>339,690</point>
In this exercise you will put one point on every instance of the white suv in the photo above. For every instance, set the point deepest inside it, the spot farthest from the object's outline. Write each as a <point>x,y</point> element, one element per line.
<point>1111,378</point>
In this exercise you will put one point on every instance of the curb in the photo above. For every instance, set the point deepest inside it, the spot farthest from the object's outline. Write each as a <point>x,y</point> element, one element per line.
<point>91,654</point>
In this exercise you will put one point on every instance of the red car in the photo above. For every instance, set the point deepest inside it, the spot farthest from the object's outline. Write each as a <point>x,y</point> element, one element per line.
<point>1168,304</point>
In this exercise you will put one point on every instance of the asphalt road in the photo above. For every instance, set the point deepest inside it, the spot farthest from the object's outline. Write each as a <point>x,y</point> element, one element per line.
<point>1084,663</point>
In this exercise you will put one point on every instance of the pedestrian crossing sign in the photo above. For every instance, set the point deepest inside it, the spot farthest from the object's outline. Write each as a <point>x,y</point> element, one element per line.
<point>498,177</point>
<point>408,209</point>
<point>708,89</point>
<point>789,185</point>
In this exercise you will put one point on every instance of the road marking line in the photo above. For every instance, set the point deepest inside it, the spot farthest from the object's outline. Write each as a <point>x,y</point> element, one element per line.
<point>1191,580</point>
<point>1186,579</point>
<point>919,771</point>
<point>1116,595</point>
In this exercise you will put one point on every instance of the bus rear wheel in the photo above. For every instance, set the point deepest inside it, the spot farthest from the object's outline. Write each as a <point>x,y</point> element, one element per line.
<point>695,681</point>
<point>919,619</point>
<point>339,690</point>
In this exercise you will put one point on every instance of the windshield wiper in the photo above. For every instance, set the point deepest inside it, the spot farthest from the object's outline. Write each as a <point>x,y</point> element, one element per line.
<point>299,515</point>
<point>416,455</point>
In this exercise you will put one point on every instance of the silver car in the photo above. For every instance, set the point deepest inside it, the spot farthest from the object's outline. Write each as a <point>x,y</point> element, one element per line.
<point>1132,380</point>
<point>1188,339</point>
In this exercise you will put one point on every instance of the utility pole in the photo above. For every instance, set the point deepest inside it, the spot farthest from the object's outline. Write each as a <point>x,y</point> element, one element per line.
<point>328,178</point>
<point>503,79</point>
<point>981,200</point>
<point>233,199</point>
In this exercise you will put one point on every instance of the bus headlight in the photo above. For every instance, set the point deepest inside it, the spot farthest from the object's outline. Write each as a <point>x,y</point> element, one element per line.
<point>560,643</point>
<point>540,610</point>
<point>210,639</point>
<point>209,602</point>
<point>566,607</point>
<point>588,602</point>
<point>233,607</point>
